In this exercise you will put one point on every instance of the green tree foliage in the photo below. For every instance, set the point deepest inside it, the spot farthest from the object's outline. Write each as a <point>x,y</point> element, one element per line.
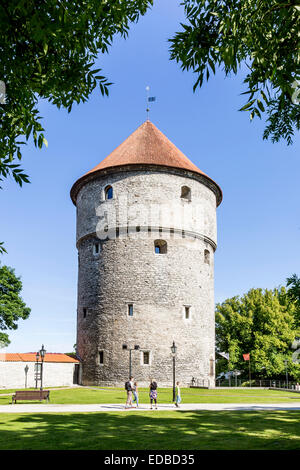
<point>293,284</point>
<point>48,50</point>
<point>12,307</point>
<point>261,323</point>
<point>260,35</point>
<point>2,249</point>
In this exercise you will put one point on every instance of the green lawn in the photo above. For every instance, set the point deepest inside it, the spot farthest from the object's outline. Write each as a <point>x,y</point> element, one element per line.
<point>117,395</point>
<point>156,430</point>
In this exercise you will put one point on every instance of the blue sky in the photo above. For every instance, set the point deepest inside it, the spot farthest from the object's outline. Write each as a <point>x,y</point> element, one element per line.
<point>258,220</point>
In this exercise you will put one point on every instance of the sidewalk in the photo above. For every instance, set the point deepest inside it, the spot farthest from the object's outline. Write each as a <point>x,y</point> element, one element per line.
<point>49,408</point>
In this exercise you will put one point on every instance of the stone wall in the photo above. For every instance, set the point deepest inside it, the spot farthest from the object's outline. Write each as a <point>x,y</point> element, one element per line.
<point>12,374</point>
<point>146,206</point>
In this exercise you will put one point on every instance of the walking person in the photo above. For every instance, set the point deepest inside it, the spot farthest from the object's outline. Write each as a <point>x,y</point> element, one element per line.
<point>136,394</point>
<point>129,388</point>
<point>153,393</point>
<point>178,395</point>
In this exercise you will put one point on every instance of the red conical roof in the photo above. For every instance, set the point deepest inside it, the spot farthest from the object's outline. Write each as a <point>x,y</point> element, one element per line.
<point>147,145</point>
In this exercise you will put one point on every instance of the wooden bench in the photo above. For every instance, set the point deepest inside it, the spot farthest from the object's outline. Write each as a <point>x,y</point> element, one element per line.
<point>31,395</point>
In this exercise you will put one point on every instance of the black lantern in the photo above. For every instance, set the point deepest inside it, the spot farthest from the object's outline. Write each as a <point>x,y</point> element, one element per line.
<point>173,348</point>
<point>42,352</point>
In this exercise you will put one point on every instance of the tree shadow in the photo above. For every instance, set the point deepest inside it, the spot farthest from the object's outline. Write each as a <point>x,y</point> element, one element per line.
<point>167,430</point>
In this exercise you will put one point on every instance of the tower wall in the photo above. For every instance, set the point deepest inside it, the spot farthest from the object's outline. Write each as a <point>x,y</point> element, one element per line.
<point>146,206</point>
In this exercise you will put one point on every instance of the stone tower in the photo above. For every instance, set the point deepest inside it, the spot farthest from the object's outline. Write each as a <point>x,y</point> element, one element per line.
<point>146,237</point>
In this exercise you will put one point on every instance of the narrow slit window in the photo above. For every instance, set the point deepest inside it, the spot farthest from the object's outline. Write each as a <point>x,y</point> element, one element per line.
<point>146,358</point>
<point>160,246</point>
<point>206,256</point>
<point>108,192</point>
<point>101,357</point>
<point>84,312</point>
<point>130,310</point>
<point>97,248</point>
<point>187,313</point>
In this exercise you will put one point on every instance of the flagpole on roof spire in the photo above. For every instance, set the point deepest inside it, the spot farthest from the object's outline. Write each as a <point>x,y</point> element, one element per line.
<point>147,109</point>
<point>149,99</point>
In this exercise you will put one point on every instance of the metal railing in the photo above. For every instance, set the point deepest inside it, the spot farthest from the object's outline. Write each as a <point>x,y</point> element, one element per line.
<point>201,383</point>
<point>263,383</point>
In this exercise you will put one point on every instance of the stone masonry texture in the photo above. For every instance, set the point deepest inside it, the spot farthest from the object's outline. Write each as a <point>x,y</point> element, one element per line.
<point>146,206</point>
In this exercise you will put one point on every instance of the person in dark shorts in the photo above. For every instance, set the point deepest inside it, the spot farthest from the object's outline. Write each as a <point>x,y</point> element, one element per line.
<point>129,388</point>
<point>153,393</point>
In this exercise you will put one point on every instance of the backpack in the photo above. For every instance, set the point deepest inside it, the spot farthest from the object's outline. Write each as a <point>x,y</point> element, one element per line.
<point>128,386</point>
<point>153,386</point>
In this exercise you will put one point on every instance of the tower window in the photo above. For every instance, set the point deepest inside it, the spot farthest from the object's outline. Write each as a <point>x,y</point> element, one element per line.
<point>130,310</point>
<point>187,313</point>
<point>101,357</point>
<point>206,256</point>
<point>108,192</point>
<point>146,358</point>
<point>160,246</point>
<point>96,248</point>
<point>84,312</point>
<point>186,193</point>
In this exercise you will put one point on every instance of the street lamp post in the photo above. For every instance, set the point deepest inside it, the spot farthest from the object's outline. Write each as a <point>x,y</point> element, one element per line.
<point>42,353</point>
<point>173,350</point>
<point>136,348</point>
<point>37,368</point>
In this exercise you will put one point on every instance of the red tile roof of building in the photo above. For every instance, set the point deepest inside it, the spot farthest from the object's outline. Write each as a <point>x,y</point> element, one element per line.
<point>31,357</point>
<point>147,145</point>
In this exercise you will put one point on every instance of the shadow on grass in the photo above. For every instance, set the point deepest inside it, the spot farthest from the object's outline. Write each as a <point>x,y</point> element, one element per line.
<point>168,430</point>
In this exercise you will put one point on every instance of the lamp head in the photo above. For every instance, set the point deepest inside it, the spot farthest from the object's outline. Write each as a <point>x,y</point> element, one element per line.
<point>173,348</point>
<point>42,352</point>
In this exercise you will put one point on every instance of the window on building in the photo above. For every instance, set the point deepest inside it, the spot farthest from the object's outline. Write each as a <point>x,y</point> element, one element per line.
<point>206,256</point>
<point>146,358</point>
<point>186,193</point>
<point>84,312</point>
<point>130,310</point>
<point>96,248</point>
<point>108,192</point>
<point>160,246</point>
<point>187,313</point>
<point>101,357</point>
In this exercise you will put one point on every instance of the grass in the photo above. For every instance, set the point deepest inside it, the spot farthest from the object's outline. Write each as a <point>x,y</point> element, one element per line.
<point>158,430</point>
<point>95,395</point>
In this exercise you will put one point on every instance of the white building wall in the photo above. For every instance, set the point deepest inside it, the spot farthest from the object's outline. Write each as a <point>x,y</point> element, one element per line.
<point>12,374</point>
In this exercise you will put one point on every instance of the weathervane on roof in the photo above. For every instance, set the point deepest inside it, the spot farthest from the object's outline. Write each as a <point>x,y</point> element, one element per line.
<point>149,100</point>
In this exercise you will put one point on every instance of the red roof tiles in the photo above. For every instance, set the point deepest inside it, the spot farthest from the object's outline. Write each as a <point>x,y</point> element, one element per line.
<point>31,357</point>
<point>147,145</point>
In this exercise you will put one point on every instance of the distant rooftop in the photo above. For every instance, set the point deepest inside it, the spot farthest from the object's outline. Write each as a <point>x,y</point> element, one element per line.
<point>31,357</point>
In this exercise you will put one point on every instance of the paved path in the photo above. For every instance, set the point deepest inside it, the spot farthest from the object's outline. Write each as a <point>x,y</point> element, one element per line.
<point>51,408</point>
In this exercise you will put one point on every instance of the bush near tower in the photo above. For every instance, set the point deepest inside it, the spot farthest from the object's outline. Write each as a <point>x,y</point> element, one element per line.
<point>12,307</point>
<point>263,323</point>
